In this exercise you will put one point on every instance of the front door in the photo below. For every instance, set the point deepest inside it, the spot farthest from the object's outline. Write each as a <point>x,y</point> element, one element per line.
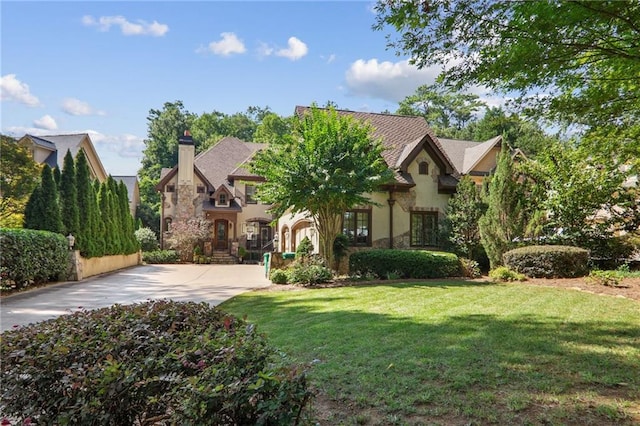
<point>221,227</point>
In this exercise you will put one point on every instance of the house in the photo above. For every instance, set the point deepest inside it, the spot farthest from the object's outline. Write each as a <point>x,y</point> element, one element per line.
<point>406,212</point>
<point>216,185</point>
<point>133,191</point>
<point>53,148</point>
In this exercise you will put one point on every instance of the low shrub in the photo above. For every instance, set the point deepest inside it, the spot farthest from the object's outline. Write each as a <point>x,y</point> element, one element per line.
<point>608,278</point>
<point>161,256</point>
<point>278,276</point>
<point>470,268</point>
<point>29,256</point>
<point>308,272</point>
<point>147,239</point>
<point>504,274</point>
<point>158,362</point>
<point>404,263</point>
<point>548,261</point>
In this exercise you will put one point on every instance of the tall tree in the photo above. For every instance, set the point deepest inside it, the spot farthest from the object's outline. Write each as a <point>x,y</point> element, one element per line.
<point>272,128</point>
<point>86,236</point>
<point>573,61</point>
<point>505,218</point>
<point>43,207</point>
<point>325,167</point>
<point>69,196</point>
<point>19,177</point>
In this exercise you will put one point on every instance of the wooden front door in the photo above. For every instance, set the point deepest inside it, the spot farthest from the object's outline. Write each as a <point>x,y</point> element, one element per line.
<point>221,237</point>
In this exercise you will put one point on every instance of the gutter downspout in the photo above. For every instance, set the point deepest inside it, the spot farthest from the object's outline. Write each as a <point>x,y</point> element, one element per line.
<point>391,202</point>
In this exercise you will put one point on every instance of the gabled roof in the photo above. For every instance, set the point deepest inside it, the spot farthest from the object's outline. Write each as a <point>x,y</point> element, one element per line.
<point>402,136</point>
<point>467,154</point>
<point>227,157</point>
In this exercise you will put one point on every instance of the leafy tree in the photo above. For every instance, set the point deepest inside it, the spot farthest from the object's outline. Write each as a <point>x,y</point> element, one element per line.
<point>20,176</point>
<point>185,234</point>
<point>444,110</point>
<point>581,55</point>
<point>272,128</point>
<point>505,218</point>
<point>147,239</point>
<point>69,196</point>
<point>464,210</point>
<point>325,167</point>
<point>43,208</point>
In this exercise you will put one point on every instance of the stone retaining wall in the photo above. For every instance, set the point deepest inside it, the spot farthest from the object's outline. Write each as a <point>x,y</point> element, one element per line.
<point>84,268</point>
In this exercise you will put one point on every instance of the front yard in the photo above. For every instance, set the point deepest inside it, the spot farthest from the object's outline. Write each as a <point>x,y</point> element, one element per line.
<point>455,352</point>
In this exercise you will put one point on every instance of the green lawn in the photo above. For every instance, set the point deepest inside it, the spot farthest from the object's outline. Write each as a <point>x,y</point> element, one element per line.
<point>455,352</point>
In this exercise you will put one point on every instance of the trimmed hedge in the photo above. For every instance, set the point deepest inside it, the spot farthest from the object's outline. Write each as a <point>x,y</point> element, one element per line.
<point>548,261</point>
<point>382,263</point>
<point>158,362</point>
<point>160,256</point>
<point>29,256</point>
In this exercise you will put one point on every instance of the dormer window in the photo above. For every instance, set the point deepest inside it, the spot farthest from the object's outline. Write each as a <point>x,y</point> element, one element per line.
<point>222,199</point>
<point>170,188</point>
<point>250,193</point>
<point>423,168</point>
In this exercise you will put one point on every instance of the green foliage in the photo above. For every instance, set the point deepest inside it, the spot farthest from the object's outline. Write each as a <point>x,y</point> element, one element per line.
<point>325,167</point>
<point>548,261</point>
<point>380,263</point>
<point>87,232</point>
<point>19,177</point>
<point>340,247</point>
<point>505,218</point>
<point>304,249</point>
<point>32,257</point>
<point>308,271</point>
<point>161,256</point>
<point>147,239</point>
<point>273,128</point>
<point>175,362</point>
<point>464,210</point>
<point>608,278</point>
<point>185,234</point>
<point>43,208</point>
<point>470,268</point>
<point>69,196</point>
<point>278,276</point>
<point>504,274</point>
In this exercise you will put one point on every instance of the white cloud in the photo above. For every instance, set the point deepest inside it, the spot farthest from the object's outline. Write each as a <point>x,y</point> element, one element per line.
<point>329,59</point>
<point>229,44</point>
<point>264,49</point>
<point>73,106</point>
<point>296,50</point>
<point>386,80</point>
<point>12,89</point>
<point>125,145</point>
<point>140,27</point>
<point>46,122</point>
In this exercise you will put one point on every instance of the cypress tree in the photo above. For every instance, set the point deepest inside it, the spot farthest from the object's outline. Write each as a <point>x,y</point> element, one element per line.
<point>33,210</point>
<point>116,216</point>
<point>130,242</point>
<point>57,177</point>
<point>69,196</point>
<point>48,208</point>
<point>84,236</point>
<point>97,225</point>
<point>106,218</point>
<point>504,219</point>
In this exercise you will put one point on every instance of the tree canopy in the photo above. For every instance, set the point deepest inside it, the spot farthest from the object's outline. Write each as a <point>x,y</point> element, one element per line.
<point>575,62</point>
<point>328,165</point>
<point>20,176</point>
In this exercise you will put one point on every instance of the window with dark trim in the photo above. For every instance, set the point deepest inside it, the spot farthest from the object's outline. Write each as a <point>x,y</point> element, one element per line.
<point>423,168</point>
<point>356,225</point>
<point>424,229</point>
<point>250,193</point>
<point>200,189</point>
<point>222,199</point>
<point>170,188</point>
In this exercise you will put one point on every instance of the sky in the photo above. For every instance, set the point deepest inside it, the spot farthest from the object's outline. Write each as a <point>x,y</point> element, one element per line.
<point>100,67</point>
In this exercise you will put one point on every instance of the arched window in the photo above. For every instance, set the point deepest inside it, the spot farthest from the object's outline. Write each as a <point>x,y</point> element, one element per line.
<point>423,168</point>
<point>167,224</point>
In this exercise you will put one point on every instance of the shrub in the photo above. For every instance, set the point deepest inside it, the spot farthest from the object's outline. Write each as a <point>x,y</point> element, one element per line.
<point>161,256</point>
<point>404,263</point>
<point>304,249</point>
<point>548,261</point>
<point>504,274</point>
<point>608,278</point>
<point>29,256</point>
<point>278,276</point>
<point>147,239</point>
<point>159,361</point>
<point>308,272</point>
<point>470,268</point>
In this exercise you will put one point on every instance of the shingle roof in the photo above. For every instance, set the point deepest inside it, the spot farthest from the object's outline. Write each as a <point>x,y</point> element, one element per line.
<point>229,155</point>
<point>401,135</point>
<point>466,154</point>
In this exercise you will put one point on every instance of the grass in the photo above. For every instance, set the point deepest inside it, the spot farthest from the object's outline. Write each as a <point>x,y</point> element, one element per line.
<point>456,352</point>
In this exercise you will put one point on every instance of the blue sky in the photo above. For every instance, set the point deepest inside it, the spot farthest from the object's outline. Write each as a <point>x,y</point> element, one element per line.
<point>99,67</point>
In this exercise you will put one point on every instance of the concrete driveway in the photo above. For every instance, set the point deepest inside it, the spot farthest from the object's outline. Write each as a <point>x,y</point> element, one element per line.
<point>209,283</point>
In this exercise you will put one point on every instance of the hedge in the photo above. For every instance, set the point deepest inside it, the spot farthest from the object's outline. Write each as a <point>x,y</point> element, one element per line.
<point>383,263</point>
<point>160,256</point>
<point>29,256</point>
<point>548,261</point>
<point>158,362</point>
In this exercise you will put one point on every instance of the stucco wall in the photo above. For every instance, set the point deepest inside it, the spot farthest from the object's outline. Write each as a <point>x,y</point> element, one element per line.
<point>99,265</point>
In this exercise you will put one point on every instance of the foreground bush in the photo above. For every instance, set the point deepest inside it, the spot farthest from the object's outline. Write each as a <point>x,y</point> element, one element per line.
<point>382,263</point>
<point>504,274</point>
<point>304,271</point>
<point>161,256</point>
<point>147,239</point>
<point>28,257</point>
<point>548,261</point>
<point>160,361</point>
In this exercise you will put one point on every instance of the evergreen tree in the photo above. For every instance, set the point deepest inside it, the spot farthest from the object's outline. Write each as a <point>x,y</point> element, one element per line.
<point>69,196</point>
<point>43,207</point>
<point>97,225</point>
<point>128,226</point>
<point>106,218</point>
<point>505,218</point>
<point>57,176</point>
<point>33,210</point>
<point>116,217</point>
<point>85,236</point>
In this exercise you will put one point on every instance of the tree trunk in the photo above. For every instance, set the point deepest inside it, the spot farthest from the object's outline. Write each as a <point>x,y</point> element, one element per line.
<point>328,226</point>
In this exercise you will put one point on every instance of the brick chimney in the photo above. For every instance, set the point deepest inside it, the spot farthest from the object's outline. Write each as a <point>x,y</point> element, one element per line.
<point>186,192</point>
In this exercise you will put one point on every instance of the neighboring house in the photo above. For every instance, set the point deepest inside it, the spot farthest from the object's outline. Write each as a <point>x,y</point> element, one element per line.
<point>216,185</point>
<point>410,208</point>
<point>133,191</point>
<point>52,149</point>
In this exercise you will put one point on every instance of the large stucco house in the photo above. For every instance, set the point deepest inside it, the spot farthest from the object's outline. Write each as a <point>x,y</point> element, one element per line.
<point>217,186</point>
<point>409,208</point>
